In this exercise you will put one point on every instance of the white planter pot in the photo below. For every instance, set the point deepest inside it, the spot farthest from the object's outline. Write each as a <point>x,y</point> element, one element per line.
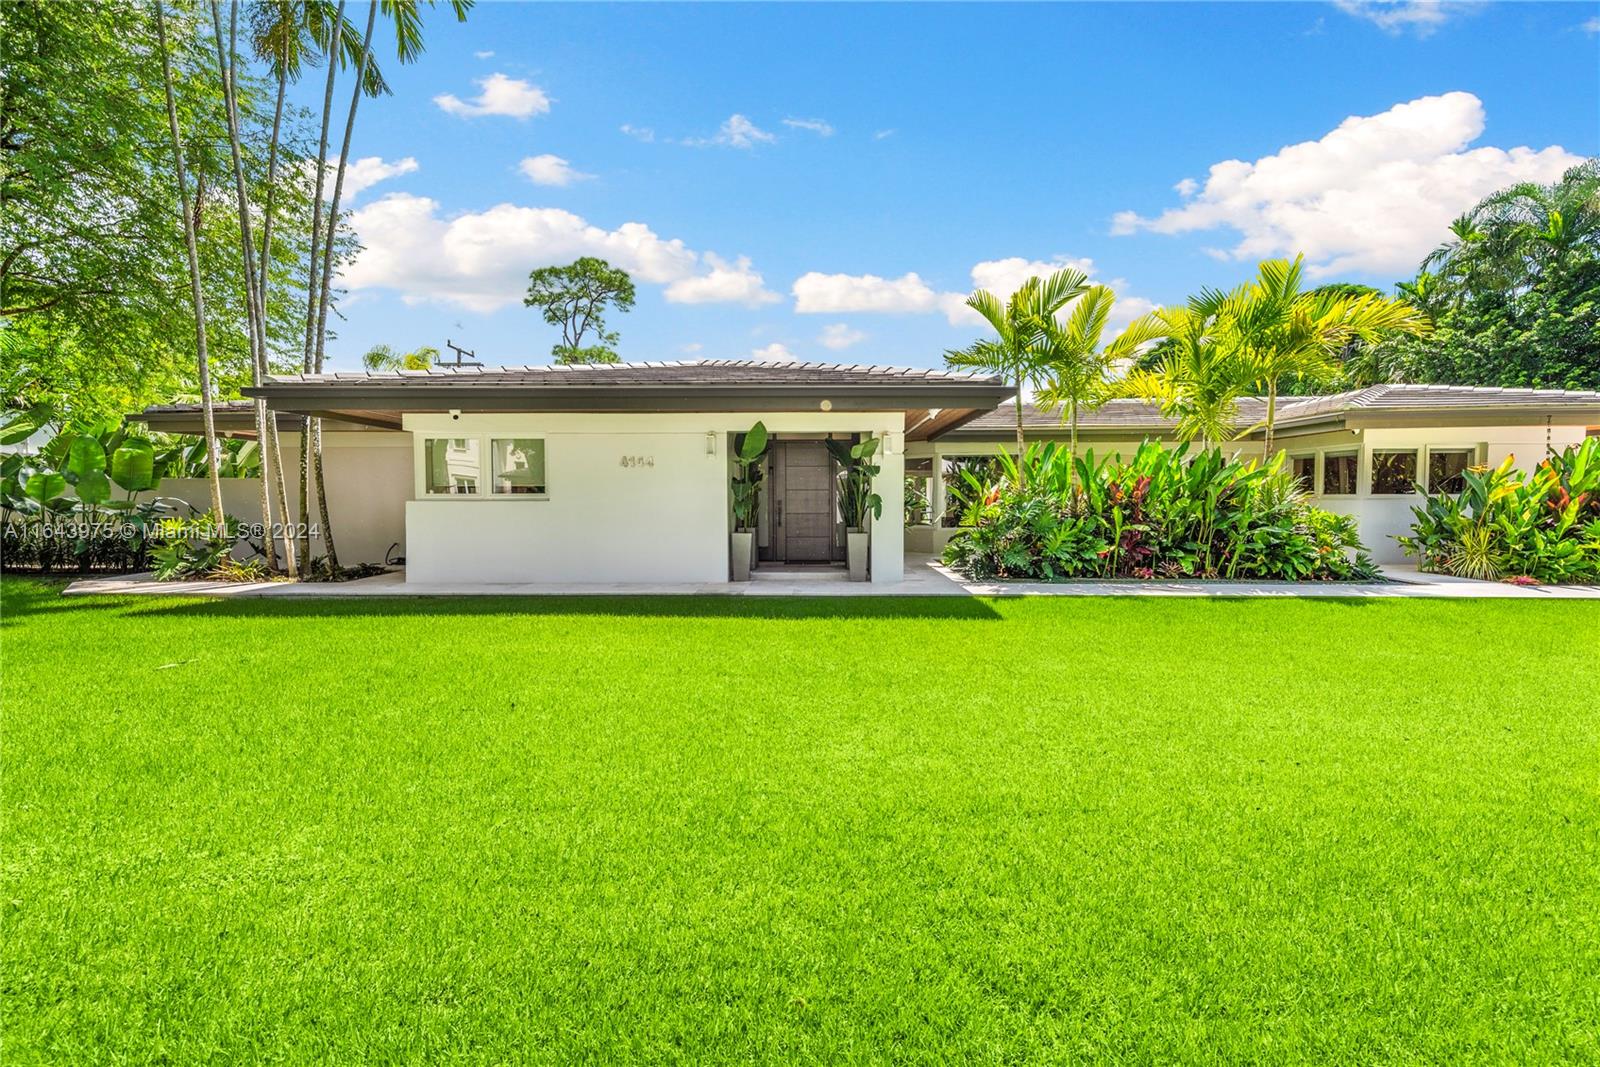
<point>741,549</point>
<point>855,553</point>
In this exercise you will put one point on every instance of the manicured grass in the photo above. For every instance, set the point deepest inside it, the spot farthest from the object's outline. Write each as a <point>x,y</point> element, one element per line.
<point>572,831</point>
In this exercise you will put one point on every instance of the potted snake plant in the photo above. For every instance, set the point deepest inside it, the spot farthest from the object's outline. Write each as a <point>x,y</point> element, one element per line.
<point>748,450</point>
<point>856,499</point>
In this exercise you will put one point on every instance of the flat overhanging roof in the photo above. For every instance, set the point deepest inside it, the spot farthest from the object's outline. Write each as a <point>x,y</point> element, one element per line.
<point>934,400</point>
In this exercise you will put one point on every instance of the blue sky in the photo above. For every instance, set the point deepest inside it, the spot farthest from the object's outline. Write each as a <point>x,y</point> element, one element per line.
<point>927,148</point>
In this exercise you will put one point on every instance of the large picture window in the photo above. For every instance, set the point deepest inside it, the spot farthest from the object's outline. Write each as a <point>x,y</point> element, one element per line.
<point>1339,474</point>
<point>1446,467</point>
<point>1394,473</point>
<point>452,465</point>
<point>518,465</point>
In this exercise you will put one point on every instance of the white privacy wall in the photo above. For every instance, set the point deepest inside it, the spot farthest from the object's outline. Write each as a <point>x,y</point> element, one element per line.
<point>631,498</point>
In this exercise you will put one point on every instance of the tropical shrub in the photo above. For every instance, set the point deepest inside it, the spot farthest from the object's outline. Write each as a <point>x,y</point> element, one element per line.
<point>856,471</point>
<point>1501,525</point>
<point>1163,514</point>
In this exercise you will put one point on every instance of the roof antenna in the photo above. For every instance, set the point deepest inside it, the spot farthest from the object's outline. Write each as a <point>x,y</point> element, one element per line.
<point>471,361</point>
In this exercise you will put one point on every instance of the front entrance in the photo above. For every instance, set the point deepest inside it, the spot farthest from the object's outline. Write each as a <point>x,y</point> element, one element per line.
<point>802,502</point>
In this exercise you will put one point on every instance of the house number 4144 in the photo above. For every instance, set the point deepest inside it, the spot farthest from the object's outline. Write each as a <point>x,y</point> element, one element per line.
<point>638,461</point>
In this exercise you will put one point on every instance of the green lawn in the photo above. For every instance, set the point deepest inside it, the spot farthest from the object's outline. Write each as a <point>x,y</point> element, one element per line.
<point>572,831</point>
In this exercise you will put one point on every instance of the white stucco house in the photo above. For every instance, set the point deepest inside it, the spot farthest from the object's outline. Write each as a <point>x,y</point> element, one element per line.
<point>622,472</point>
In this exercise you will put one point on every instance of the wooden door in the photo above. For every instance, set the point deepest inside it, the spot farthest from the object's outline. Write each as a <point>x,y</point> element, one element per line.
<point>803,504</point>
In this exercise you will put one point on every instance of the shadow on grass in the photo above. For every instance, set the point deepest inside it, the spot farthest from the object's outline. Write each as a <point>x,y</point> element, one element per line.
<point>31,598</point>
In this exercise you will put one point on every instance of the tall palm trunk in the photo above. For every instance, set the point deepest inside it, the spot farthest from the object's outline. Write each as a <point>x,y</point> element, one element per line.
<point>202,359</point>
<point>1022,474</point>
<point>327,267</point>
<point>1072,466</point>
<point>227,64</point>
<point>1272,411</point>
<point>313,290</point>
<point>272,444</point>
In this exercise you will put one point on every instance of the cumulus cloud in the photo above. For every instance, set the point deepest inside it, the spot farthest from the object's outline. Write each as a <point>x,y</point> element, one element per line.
<point>364,173</point>
<point>736,132</point>
<point>817,293</point>
<point>498,95</point>
<point>1421,17</point>
<point>840,336</point>
<point>724,283</point>
<point>638,133</point>
<point>774,352</point>
<point>820,127</point>
<point>1373,195</point>
<point>480,260</point>
<point>550,170</point>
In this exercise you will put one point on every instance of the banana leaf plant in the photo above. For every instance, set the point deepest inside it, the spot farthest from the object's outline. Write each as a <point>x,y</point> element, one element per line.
<point>748,450</point>
<point>856,471</point>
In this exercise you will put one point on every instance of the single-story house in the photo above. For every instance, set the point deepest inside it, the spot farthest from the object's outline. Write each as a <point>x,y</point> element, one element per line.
<point>622,472</point>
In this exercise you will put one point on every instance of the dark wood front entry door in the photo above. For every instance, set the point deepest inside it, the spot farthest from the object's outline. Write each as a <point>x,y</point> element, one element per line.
<point>802,506</point>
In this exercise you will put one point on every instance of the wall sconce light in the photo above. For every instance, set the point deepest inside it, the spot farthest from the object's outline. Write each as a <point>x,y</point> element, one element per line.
<point>891,443</point>
<point>711,442</point>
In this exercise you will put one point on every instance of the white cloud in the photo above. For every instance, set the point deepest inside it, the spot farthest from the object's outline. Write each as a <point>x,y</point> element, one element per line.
<point>774,352</point>
<point>638,133</point>
<point>817,293</point>
<point>483,55</point>
<point>480,260</point>
<point>883,135</point>
<point>499,95</point>
<point>366,172</point>
<point>691,348</point>
<point>820,127</point>
<point>1421,17</point>
<point>725,283</point>
<point>736,132</point>
<point>839,336</point>
<point>1591,26</point>
<point>550,170</point>
<point>1373,195</point>
<point>1186,188</point>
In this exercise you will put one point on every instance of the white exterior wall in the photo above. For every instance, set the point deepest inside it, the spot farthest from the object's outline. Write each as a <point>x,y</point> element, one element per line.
<point>368,477</point>
<point>602,520</point>
<point>1380,517</point>
<point>1383,517</point>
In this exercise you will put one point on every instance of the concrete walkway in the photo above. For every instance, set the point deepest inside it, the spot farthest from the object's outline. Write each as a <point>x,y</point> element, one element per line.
<point>925,576</point>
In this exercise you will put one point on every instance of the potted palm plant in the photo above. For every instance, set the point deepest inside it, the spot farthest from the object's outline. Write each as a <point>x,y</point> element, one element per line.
<point>748,449</point>
<point>856,499</point>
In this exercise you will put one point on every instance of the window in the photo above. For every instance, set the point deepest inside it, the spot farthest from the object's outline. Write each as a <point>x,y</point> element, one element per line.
<point>518,465</point>
<point>450,465</point>
<point>1304,470</point>
<point>1445,467</point>
<point>1394,473</point>
<point>1339,475</point>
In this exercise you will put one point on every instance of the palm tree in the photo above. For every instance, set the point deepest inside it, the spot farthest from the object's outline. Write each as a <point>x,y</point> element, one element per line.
<point>203,362</point>
<point>1280,331</point>
<point>1076,366</point>
<point>1198,382</point>
<point>406,17</point>
<point>255,296</point>
<point>1013,353</point>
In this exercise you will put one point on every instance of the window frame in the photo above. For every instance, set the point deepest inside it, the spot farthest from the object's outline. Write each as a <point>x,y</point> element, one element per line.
<point>1475,458</point>
<point>1315,485</point>
<point>1416,454</point>
<point>488,462</point>
<point>1322,471</point>
<point>485,465</point>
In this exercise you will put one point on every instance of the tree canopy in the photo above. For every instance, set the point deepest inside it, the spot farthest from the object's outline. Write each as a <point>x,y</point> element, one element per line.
<point>92,267</point>
<point>576,298</point>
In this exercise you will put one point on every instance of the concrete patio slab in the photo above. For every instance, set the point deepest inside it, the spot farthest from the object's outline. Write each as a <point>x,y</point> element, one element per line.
<point>925,576</point>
